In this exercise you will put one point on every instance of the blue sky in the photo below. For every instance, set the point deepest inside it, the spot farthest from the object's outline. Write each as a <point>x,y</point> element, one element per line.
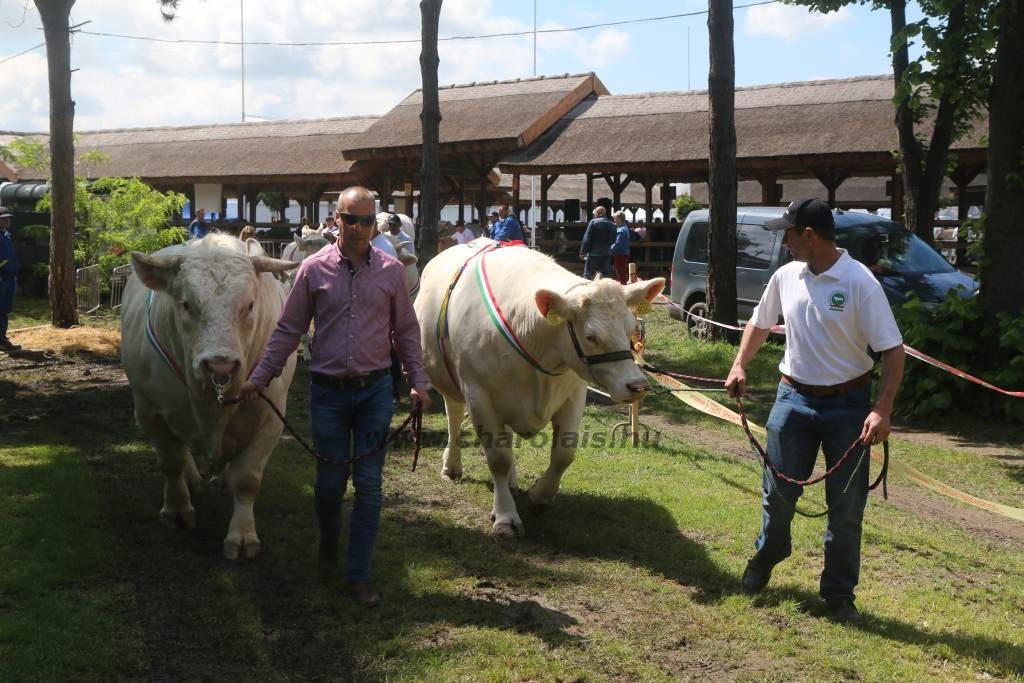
<point>129,83</point>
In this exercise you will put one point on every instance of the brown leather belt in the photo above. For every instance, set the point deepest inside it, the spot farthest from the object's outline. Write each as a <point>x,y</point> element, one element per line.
<point>360,382</point>
<point>833,390</point>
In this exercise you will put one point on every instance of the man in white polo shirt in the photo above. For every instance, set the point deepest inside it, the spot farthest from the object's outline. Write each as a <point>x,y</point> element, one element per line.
<point>835,313</point>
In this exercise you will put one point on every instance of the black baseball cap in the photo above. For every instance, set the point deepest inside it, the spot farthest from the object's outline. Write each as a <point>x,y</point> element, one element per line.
<point>805,213</point>
<point>5,212</point>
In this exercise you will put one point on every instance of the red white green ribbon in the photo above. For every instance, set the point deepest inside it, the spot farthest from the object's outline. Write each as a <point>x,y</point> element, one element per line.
<point>501,322</point>
<point>154,341</point>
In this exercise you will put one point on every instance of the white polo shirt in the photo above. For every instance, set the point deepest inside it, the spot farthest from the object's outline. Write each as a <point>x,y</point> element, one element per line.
<point>831,320</point>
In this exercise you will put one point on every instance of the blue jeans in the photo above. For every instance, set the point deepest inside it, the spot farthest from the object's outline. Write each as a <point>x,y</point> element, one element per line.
<point>595,264</point>
<point>797,426</point>
<point>8,283</point>
<point>346,423</point>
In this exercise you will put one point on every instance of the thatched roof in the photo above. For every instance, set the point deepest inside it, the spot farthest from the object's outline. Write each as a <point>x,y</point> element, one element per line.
<point>223,153</point>
<point>669,130</point>
<point>498,115</point>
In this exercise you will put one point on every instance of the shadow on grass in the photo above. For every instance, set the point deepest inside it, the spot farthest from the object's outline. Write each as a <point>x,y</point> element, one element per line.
<point>991,655</point>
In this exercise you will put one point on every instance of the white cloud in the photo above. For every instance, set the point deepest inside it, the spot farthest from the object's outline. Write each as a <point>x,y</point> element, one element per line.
<point>789,22</point>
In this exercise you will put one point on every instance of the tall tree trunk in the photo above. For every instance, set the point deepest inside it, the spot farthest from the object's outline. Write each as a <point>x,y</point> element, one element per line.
<point>1004,197</point>
<point>924,167</point>
<point>63,302</point>
<point>430,117</point>
<point>722,172</point>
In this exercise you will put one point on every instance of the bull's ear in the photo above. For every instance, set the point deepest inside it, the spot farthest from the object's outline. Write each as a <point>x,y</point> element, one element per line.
<point>156,272</point>
<point>253,248</point>
<point>265,264</point>
<point>645,290</point>
<point>552,306</point>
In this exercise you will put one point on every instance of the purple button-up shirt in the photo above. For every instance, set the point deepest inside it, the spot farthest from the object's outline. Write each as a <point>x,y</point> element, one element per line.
<point>357,312</point>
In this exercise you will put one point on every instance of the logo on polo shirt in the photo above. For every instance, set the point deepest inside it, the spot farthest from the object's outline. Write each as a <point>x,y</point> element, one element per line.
<point>837,300</point>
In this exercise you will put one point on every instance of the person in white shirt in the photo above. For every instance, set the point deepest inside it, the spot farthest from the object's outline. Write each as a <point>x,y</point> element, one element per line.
<point>461,235</point>
<point>835,311</point>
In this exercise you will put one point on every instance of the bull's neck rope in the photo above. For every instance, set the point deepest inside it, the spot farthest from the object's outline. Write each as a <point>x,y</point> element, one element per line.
<point>154,341</point>
<point>501,322</point>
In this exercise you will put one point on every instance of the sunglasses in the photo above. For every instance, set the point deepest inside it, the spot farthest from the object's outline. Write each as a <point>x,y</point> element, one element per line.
<point>352,218</point>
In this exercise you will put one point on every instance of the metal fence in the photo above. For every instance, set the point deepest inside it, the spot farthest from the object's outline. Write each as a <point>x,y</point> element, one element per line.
<point>118,279</point>
<point>87,288</point>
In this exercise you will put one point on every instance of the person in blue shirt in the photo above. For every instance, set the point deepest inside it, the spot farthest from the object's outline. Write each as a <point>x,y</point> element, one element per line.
<point>507,229</point>
<point>198,229</point>
<point>620,248</point>
<point>9,267</point>
<point>595,249</point>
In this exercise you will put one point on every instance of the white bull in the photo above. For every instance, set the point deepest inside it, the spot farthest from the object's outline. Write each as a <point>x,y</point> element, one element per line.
<point>195,320</point>
<point>504,346</point>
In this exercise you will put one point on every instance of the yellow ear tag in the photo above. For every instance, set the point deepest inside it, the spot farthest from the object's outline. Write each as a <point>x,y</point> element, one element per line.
<point>644,307</point>
<point>553,319</point>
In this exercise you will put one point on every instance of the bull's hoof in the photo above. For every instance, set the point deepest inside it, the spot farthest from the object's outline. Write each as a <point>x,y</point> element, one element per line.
<point>231,550</point>
<point>249,548</point>
<point>537,500</point>
<point>508,529</point>
<point>181,518</point>
<point>449,474</point>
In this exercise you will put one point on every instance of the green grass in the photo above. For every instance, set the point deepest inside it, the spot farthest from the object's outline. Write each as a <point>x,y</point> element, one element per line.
<point>630,575</point>
<point>33,311</point>
<point>53,551</point>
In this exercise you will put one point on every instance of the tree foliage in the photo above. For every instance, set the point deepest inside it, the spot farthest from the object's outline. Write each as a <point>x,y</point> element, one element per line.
<point>939,93</point>
<point>116,216</point>
<point>684,204</point>
<point>27,153</point>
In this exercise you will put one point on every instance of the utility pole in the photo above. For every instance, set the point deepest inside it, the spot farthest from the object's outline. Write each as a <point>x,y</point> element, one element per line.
<point>533,178</point>
<point>241,26</point>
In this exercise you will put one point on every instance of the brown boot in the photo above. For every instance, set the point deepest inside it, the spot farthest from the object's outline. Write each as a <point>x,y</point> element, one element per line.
<point>365,593</point>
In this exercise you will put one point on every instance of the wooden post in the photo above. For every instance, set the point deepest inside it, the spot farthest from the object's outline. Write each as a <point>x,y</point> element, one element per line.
<point>590,198</point>
<point>462,196</point>
<point>634,407</point>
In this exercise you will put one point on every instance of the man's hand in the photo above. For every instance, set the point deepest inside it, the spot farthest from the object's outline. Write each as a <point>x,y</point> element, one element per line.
<point>420,400</point>
<point>736,382</point>
<point>248,391</point>
<point>583,257</point>
<point>876,428</point>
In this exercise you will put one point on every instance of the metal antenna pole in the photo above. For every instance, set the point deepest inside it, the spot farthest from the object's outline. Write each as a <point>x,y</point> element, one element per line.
<point>241,25</point>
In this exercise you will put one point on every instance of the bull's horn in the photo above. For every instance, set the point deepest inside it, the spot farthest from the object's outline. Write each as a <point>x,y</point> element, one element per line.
<point>265,264</point>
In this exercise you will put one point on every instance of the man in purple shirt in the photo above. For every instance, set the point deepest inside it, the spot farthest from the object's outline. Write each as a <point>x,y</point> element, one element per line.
<point>357,297</point>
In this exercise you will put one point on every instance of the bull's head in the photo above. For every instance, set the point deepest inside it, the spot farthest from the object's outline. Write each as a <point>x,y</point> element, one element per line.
<point>218,297</point>
<point>599,322</point>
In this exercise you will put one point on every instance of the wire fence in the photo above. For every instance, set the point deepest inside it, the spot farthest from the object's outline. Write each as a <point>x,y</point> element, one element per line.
<point>88,283</point>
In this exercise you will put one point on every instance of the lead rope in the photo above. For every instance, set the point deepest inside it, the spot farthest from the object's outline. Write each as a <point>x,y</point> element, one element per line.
<point>414,422</point>
<point>766,464</point>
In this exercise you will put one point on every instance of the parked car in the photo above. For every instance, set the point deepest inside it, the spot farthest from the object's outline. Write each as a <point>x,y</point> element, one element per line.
<point>904,264</point>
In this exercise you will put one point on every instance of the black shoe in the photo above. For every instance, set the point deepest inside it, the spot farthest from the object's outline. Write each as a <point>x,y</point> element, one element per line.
<point>844,612</point>
<point>8,345</point>
<point>756,575</point>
